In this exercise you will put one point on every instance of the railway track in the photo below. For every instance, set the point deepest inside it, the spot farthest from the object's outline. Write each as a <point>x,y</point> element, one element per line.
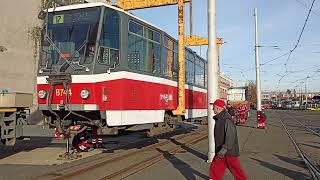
<point>126,163</point>
<point>303,125</point>
<point>314,170</point>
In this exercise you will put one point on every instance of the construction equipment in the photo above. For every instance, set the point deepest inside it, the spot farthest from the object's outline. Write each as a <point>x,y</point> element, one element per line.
<point>14,110</point>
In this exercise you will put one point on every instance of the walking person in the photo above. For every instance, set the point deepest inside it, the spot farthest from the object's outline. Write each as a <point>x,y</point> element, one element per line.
<point>226,145</point>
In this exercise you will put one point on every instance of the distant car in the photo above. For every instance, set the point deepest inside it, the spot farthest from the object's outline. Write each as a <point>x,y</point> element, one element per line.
<point>295,104</point>
<point>266,106</point>
<point>316,100</point>
<point>288,106</point>
<point>274,106</point>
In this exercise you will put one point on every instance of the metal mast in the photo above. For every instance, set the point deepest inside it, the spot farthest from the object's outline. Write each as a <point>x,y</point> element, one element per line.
<point>257,63</point>
<point>213,74</point>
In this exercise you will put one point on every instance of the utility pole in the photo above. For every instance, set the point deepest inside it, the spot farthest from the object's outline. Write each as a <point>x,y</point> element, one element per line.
<point>305,86</point>
<point>257,64</point>
<point>213,74</point>
<point>300,97</point>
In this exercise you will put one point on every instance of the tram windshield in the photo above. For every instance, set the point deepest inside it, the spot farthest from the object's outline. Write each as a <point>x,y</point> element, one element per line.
<point>70,39</point>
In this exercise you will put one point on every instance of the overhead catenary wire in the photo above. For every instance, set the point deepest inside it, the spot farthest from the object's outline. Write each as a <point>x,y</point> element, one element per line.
<point>288,53</point>
<point>306,6</point>
<point>295,47</point>
<point>297,43</point>
<point>301,33</point>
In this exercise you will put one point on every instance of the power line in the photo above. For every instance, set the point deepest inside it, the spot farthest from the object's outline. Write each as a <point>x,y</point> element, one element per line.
<point>299,80</point>
<point>262,64</point>
<point>287,53</point>
<point>300,36</point>
<point>295,47</point>
<point>306,6</point>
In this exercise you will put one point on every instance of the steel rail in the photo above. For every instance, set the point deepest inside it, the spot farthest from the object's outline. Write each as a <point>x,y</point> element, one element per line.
<point>137,167</point>
<point>75,170</point>
<point>306,127</point>
<point>315,172</point>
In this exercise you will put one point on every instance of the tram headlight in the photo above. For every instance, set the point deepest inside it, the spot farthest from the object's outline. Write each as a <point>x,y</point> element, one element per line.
<point>42,94</point>
<point>84,94</point>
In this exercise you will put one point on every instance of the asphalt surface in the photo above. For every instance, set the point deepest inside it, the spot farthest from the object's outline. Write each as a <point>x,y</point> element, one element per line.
<point>265,154</point>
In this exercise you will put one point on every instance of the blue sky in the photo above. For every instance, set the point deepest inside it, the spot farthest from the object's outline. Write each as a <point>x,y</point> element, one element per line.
<point>280,24</point>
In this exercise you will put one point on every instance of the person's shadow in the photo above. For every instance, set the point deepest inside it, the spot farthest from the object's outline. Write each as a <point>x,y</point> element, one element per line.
<point>184,168</point>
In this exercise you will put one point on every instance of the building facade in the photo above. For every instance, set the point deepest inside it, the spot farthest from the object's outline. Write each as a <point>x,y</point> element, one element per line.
<point>237,94</point>
<point>225,83</point>
<point>18,51</point>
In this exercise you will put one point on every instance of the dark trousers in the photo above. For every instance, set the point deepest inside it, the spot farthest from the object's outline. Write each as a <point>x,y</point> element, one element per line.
<point>219,166</point>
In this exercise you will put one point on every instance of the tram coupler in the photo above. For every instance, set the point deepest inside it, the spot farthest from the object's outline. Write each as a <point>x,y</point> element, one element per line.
<point>261,118</point>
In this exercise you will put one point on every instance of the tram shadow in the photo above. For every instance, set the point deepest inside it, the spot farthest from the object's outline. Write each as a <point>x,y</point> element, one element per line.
<point>298,163</point>
<point>184,168</point>
<point>313,146</point>
<point>247,126</point>
<point>282,170</point>
<point>144,141</point>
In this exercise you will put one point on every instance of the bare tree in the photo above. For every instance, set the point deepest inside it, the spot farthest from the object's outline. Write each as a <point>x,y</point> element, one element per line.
<point>252,92</point>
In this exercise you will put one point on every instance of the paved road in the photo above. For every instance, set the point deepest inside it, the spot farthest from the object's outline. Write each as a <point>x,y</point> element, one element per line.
<point>265,154</point>
<point>305,129</point>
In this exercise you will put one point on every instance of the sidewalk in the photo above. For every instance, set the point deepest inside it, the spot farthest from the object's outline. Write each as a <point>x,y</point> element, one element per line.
<point>265,154</point>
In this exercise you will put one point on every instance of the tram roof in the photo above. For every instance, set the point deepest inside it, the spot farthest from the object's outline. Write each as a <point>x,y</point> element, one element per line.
<point>88,5</point>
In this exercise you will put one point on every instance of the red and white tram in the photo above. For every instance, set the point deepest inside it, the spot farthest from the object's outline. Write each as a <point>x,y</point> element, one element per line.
<point>102,66</point>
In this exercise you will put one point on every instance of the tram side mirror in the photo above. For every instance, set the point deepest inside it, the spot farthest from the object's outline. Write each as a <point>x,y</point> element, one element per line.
<point>45,42</point>
<point>42,15</point>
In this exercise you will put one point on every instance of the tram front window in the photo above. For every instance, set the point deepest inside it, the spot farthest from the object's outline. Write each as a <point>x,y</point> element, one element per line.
<point>70,39</point>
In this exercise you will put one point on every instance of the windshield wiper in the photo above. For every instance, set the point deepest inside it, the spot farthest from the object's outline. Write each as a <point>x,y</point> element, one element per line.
<point>58,50</point>
<point>82,58</point>
<point>65,66</point>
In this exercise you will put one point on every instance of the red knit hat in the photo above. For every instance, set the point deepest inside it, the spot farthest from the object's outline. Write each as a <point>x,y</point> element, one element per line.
<point>219,103</point>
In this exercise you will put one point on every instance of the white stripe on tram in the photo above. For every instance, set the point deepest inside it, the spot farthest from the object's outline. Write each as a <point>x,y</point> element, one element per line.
<point>94,78</point>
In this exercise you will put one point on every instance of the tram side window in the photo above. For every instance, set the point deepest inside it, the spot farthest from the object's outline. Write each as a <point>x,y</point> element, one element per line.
<point>167,57</point>
<point>199,72</point>
<point>136,28</point>
<point>175,62</point>
<point>153,50</point>
<point>189,67</point>
<point>153,54</point>
<point>110,38</point>
<point>206,74</point>
<point>136,52</point>
<point>175,66</point>
<point>143,49</point>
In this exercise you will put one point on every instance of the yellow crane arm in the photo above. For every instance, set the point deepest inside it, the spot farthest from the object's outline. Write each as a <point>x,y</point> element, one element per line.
<point>199,41</point>
<point>141,4</point>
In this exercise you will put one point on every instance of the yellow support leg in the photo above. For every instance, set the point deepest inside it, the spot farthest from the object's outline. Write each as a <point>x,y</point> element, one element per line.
<point>181,82</point>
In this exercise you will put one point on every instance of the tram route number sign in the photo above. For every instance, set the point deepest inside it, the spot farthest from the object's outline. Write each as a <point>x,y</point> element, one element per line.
<point>58,19</point>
